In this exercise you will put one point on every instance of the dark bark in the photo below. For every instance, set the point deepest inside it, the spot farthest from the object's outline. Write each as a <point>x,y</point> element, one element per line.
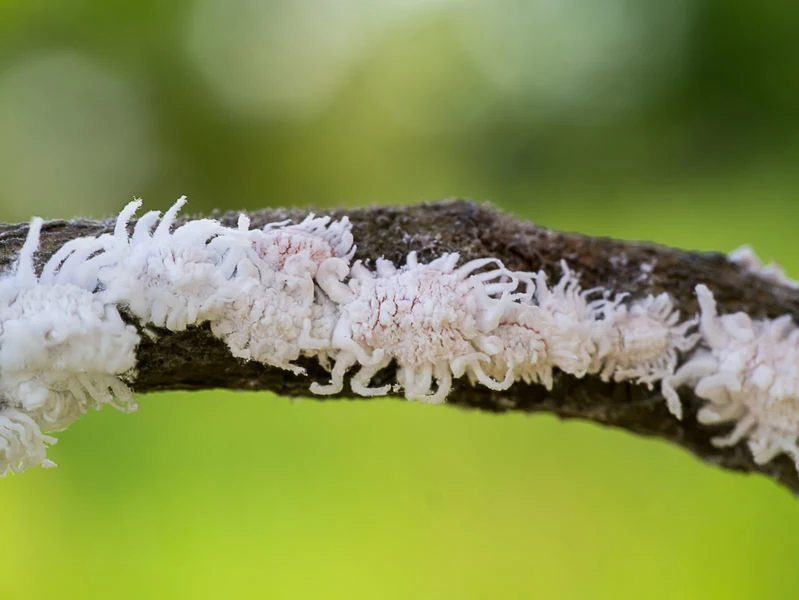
<point>194,359</point>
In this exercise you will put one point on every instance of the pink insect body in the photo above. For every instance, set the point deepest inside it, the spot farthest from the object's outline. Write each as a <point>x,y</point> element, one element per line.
<point>435,320</point>
<point>277,310</point>
<point>642,341</point>
<point>303,247</point>
<point>546,328</point>
<point>524,348</point>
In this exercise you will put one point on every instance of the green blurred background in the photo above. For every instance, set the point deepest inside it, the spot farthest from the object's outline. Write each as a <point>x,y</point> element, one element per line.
<point>668,121</point>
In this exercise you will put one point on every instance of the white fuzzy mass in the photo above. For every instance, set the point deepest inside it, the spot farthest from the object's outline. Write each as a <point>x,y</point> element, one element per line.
<point>165,278</point>
<point>62,350</point>
<point>286,291</point>
<point>64,346</point>
<point>255,287</point>
<point>546,328</point>
<point>435,320</point>
<point>275,310</point>
<point>641,341</point>
<point>747,373</point>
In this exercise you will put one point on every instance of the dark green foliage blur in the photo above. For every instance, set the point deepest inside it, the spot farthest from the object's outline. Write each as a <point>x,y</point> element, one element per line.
<point>670,121</point>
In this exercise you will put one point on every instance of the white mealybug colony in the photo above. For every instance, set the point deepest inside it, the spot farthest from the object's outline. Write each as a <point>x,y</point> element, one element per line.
<point>747,372</point>
<point>62,350</point>
<point>255,287</point>
<point>285,291</point>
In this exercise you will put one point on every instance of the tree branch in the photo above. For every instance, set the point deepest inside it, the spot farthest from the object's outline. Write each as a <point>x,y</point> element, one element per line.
<point>195,359</point>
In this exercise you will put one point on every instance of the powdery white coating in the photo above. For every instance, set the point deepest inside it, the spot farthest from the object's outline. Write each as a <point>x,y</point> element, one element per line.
<point>255,287</point>
<point>435,320</point>
<point>298,250</point>
<point>641,341</point>
<point>323,237</point>
<point>572,316</point>
<point>546,328</point>
<point>748,374</point>
<point>524,346</point>
<point>560,327</point>
<point>167,278</point>
<point>62,349</point>
<point>271,320</point>
<point>278,312</point>
<point>746,258</point>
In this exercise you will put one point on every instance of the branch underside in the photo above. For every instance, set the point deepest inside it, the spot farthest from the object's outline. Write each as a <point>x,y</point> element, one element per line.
<point>195,359</point>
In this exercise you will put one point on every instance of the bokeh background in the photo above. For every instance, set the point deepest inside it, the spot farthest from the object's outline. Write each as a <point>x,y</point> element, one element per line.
<point>668,121</point>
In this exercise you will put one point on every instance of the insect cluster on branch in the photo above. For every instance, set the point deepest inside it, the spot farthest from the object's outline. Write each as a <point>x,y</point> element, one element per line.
<point>285,291</point>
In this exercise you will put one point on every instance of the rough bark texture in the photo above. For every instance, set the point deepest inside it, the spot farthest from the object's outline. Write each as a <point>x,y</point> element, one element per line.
<point>195,360</point>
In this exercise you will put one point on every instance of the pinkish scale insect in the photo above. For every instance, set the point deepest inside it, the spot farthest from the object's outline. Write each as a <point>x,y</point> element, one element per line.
<point>435,320</point>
